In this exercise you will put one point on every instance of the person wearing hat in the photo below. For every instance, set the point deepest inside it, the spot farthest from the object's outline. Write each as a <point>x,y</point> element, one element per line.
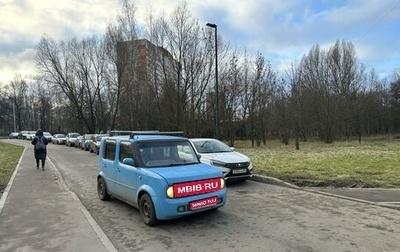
<point>40,150</point>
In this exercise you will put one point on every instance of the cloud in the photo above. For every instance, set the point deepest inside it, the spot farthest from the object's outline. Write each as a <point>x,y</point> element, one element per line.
<point>283,30</point>
<point>23,22</point>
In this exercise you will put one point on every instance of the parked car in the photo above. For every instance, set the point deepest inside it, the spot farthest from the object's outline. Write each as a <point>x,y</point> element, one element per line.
<point>78,142</point>
<point>71,138</point>
<point>86,140</point>
<point>59,139</point>
<point>95,143</point>
<point>13,135</point>
<point>22,134</point>
<point>48,136</point>
<point>160,174</point>
<point>234,165</point>
<point>30,135</point>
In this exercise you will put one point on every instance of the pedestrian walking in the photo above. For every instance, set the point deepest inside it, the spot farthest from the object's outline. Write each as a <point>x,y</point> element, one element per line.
<point>40,150</point>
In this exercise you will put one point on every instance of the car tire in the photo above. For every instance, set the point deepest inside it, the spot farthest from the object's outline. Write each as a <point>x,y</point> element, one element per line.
<point>147,211</point>
<point>102,190</point>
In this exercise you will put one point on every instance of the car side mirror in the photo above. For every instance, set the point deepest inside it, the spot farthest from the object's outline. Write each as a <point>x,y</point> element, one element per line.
<point>199,156</point>
<point>232,148</point>
<point>128,161</point>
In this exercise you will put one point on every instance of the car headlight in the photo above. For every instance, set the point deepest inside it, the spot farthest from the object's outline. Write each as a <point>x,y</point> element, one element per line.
<point>170,192</point>
<point>250,166</point>
<point>222,183</point>
<point>217,163</point>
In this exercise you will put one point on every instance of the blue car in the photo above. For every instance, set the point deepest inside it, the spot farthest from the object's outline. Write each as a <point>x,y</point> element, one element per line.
<point>160,174</point>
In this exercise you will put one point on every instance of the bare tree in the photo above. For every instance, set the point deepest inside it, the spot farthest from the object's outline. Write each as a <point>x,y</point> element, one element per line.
<point>121,56</point>
<point>261,93</point>
<point>184,83</point>
<point>17,93</point>
<point>77,68</point>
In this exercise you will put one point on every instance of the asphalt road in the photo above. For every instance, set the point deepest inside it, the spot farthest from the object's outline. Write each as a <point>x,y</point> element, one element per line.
<point>257,217</point>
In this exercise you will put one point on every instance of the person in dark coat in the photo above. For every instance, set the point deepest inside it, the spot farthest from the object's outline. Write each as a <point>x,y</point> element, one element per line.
<point>40,149</point>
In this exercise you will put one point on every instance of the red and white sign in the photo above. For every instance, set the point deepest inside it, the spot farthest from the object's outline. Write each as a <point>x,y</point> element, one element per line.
<point>197,187</point>
<point>198,204</point>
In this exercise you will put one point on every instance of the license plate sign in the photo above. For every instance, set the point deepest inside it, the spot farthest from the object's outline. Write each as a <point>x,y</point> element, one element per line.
<point>239,171</point>
<point>198,204</point>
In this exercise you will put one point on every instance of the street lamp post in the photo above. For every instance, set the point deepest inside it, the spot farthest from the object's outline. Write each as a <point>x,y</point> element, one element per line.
<point>15,127</point>
<point>13,106</point>
<point>216,81</point>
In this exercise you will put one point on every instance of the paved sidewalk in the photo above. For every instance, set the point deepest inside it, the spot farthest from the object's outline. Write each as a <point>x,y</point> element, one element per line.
<point>39,213</point>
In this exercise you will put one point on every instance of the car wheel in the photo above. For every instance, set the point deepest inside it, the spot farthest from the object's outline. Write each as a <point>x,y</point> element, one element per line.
<point>146,209</point>
<point>102,190</point>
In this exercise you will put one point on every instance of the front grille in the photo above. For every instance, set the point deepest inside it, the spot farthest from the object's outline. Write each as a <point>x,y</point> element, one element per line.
<point>238,170</point>
<point>243,165</point>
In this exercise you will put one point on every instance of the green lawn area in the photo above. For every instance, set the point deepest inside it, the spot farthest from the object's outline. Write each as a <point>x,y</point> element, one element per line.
<point>9,156</point>
<point>371,163</point>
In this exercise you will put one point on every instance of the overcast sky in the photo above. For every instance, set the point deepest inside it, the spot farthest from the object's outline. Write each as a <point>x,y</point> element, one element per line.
<point>283,30</point>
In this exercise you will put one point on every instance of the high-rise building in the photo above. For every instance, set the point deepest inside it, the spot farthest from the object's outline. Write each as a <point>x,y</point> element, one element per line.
<point>143,69</point>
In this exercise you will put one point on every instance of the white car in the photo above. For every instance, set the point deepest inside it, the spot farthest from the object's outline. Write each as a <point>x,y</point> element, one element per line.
<point>48,136</point>
<point>59,139</point>
<point>71,139</point>
<point>30,135</point>
<point>234,165</point>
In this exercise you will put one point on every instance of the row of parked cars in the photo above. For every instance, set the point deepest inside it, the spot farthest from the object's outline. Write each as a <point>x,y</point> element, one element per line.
<point>28,135</point>
<point>87,142</point>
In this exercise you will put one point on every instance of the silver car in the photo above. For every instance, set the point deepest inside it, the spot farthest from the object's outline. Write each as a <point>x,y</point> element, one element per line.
<point>71,139</point>
<point>86,141</point>
<point>95,143</point>
<point>234,165</point>
<point>58,139</point>
<point>48,136</point>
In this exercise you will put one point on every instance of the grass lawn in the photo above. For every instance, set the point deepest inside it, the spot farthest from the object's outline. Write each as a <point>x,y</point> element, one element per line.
<point>9,156</point>
<point>371,163</point>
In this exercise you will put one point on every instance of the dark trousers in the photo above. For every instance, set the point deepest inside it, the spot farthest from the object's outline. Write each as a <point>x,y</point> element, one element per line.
<point>37,162</point>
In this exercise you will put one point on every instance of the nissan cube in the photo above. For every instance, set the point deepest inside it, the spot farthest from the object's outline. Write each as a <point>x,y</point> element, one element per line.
<point>160,174</point>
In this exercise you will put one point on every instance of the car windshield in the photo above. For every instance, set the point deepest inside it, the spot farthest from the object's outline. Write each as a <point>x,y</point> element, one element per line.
<point>46,134</point>
<point>99,137</point>
<point>211,146</point>
<point>61,136</point>
<point>87,136</point>
<point>74,135</point>
<point>165,154</point>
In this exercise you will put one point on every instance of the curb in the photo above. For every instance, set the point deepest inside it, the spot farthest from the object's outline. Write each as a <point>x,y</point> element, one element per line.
<point>278,182</point>
<point>272,181</point>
